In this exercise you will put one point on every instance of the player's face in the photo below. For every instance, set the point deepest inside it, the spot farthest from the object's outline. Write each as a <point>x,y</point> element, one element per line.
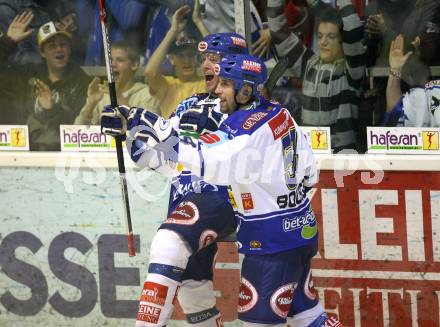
<point>185,64</point>
<point>56,51</point>
<point>208,62</point>
<point>123,68</point>
<point>329,42</point>
<point>225,92</point>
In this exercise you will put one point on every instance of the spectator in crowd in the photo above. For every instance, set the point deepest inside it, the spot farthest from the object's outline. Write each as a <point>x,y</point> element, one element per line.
<point>11,111</point>
<point>219,17</point>
<point>59,11</point>
<point>51,93</point>
<point>15,34</point>
<point>127,21</point>
<point>125,60</point>
<point>300,20</point>
<point>169,90</point>
<point>387,19</point>
<point>331,80</point>
<point>158,27</point>
<point>419,107</point>
<point>428,12</point>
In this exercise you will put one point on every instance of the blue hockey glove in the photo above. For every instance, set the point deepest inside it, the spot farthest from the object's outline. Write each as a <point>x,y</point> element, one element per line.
<point>114,120</point>
<point>189,102</point>
<point>200,119</point>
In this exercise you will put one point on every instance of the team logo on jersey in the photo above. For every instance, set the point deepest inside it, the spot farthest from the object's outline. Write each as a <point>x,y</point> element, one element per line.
<point>281,300</point>
<point>154,293</point>
<point>430,140</point>
<point>255,244</point>
<point>247,296</point>
<point>207,237</point>
<point>246,200</point>
<point>309,289</point>
<point>309,231</point>
<point>148,313</point>
<point>280,124</point>
<point>186,213</point>
<point>253,119</point>
<point>203,46</point>
<point>163,124</point>
<point>18,137</point>
<point>251,66</point>
<point>306,219</point>
<point>319,140</point>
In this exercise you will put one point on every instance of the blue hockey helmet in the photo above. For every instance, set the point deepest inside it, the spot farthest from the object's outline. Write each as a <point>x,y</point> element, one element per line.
<point>243,69</point>
<point>224,44</point>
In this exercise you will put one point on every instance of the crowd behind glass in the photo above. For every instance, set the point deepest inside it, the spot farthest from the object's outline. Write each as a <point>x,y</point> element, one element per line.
<point>48,49</point>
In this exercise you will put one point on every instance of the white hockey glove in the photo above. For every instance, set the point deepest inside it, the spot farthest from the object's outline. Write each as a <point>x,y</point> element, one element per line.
<point>149,127</point>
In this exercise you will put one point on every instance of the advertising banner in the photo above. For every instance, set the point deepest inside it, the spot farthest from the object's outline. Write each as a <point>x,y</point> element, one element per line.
<point>399,140</point>
<point>379,256</point>
<point>319,138</point>
<point>14,138</point>
<point>64,260</point>
<point>76,138</point>
<point>80,138</point>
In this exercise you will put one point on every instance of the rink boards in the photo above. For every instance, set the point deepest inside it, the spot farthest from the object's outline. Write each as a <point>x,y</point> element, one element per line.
<point>63,250</point>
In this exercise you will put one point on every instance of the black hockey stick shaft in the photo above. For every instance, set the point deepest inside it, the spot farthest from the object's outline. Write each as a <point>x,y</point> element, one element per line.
<point>120,154</point>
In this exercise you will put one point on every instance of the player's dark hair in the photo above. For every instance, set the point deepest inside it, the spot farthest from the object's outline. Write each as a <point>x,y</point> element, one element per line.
<point>415,73</point>
<point>330,15</point>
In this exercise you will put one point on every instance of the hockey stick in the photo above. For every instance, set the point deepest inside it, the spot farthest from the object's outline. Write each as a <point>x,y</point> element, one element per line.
<point>114,103</point>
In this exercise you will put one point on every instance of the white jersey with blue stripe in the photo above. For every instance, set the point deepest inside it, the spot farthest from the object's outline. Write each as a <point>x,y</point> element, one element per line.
<point>263,154</point>
<point>419,107</point>
<point>186,182</point>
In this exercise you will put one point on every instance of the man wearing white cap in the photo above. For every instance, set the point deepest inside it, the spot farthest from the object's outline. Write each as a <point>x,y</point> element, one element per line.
<point>53,92</point>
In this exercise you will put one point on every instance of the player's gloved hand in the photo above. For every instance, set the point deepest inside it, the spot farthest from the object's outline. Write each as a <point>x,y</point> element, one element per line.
<point>200,119</point>
<point>114,120</point>
<point>187,103</point>
<point>149,127</point>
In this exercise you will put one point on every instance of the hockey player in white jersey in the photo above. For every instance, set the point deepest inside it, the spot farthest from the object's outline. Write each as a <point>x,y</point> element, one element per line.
<point>183,250</point>
<point>261,152</point>
<point>419,107</point>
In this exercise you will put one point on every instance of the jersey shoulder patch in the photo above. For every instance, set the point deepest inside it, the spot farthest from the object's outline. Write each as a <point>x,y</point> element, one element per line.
<point>281,123</point>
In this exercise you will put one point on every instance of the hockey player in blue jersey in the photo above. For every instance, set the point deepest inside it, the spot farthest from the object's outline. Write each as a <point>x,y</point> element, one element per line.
<point>262,153</point>
<point>182,252</point>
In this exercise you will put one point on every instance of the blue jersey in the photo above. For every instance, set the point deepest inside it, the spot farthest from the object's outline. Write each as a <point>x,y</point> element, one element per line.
<point>263,154</point>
